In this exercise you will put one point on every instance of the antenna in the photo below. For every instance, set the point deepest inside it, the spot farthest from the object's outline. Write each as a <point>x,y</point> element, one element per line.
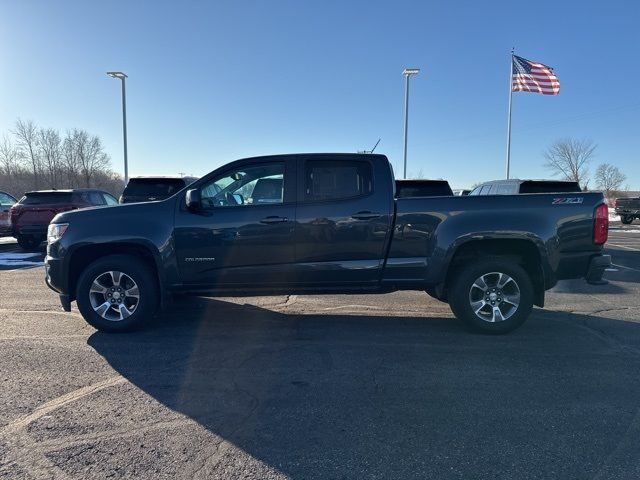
<point>372,150</point>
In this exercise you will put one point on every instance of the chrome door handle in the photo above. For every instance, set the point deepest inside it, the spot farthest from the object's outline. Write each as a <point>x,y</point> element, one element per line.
<point>274,219</point>
<point>365,215</point>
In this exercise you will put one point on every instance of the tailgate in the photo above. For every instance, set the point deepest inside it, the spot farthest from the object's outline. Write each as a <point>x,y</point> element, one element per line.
<point>40,215</point>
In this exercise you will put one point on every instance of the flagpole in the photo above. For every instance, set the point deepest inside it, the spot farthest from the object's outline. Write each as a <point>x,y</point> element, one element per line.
<point>509,116</point>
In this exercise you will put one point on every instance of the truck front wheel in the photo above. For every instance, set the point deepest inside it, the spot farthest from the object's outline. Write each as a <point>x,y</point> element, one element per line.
<point>626,219</point>
<point>117,293</point>
<point>491,295</point>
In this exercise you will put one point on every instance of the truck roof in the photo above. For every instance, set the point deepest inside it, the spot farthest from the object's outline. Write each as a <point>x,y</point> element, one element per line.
<point>522,180</point>
<point>66,190</point>
<point>327,154</point>
<point>170,177</point>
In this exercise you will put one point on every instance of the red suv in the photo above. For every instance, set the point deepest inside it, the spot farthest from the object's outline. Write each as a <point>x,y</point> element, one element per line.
<point>30,217</point>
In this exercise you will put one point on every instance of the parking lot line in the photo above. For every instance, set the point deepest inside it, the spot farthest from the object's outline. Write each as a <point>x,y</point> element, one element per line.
<point>624,246</point>
<point>626,268</point>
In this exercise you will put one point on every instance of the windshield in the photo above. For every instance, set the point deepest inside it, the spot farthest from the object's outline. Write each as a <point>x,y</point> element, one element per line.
<point>153,187</point>
<point>549,187</point>
<point>46,198</point>
<point>419,188</point>
<point>6,199</point>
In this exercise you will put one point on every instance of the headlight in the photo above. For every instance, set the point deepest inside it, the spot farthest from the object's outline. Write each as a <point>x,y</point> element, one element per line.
<point>55,231</point>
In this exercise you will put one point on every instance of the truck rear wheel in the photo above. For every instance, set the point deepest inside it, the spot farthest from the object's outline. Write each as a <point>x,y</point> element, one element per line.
<point>626,219</point>
<point>117,293</point>
<point>492,295</point>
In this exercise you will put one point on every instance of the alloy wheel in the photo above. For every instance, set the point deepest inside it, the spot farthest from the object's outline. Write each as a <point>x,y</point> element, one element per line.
<point>494,297</point>
<point>114,295</point>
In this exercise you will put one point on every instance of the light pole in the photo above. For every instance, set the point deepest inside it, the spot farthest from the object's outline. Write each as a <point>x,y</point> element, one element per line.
<point>407,73</point>
<point>122,77</point>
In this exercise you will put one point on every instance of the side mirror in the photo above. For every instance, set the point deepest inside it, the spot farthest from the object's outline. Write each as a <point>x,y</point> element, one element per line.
<point>192,199</point>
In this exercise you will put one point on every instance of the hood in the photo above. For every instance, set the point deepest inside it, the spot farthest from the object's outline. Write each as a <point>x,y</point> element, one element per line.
<point>126,211</point>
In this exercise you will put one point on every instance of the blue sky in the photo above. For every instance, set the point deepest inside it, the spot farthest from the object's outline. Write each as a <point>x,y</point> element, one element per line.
<point>210,82</point>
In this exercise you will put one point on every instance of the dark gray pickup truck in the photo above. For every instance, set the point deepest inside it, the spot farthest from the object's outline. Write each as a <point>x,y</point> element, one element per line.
<point>628,209</point>
<point>324,223</point>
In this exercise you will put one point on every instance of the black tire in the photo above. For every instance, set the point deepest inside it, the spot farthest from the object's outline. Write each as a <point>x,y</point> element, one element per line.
<point>461,295</point>
<point>626,219</point>
<point>29,242</point>
<point>136,271</point>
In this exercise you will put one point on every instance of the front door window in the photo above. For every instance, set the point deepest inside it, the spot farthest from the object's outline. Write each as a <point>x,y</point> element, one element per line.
<point>252,185</point>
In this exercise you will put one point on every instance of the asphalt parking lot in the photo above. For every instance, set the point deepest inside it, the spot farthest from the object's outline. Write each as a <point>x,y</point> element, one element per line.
<point>334,387</point>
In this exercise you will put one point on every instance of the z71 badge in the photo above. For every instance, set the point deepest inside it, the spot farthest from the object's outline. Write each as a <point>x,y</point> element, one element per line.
<point>565,200</point>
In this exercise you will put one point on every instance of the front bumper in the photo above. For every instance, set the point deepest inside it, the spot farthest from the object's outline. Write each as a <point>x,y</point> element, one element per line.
<point>54,280</point>
<point>53,273</point>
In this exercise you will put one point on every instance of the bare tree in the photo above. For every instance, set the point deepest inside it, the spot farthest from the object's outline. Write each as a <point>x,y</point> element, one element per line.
<point>69,159</point>
<point>89,154</point>
<point>27,139</point>
<point>608,178</point>
<point>570,158</point>
<point>39,157</point>
<point>9,156</point>
<point>50,153</point>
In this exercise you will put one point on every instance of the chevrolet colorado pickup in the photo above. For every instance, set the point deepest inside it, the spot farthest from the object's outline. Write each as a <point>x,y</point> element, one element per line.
<point>324,223</point>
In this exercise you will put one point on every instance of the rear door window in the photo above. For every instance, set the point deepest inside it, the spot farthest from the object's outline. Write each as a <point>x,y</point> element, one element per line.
<point>335,180</point>
<point>506,189</point>
<point>83,198</point>
<point>109,200</point>
<point>95,198</point>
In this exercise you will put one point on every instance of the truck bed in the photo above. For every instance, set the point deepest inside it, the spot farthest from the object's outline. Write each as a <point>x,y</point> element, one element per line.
<point>428,230</point>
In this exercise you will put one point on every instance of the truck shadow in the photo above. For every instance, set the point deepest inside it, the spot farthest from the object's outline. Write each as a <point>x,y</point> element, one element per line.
<point>346,396</point>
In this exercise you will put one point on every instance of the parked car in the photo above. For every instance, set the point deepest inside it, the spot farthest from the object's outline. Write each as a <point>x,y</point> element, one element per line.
<point>32,214</point>
<point>153,188</point>
<point>335,229</point>
<point>515,186</point>
<point>422,188</point>
<point>461,192</point>
<point>6,202</point>
<point>628,209</point>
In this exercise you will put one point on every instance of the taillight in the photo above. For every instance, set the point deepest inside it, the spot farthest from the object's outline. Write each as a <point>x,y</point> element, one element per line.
<point>601,225</point>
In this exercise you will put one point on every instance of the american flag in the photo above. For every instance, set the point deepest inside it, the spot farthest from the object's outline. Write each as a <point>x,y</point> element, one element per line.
<point>529,76</point>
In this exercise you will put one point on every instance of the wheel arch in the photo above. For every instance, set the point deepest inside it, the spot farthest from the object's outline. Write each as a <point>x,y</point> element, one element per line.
<point>87,254</point>
<point>522,251</point>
